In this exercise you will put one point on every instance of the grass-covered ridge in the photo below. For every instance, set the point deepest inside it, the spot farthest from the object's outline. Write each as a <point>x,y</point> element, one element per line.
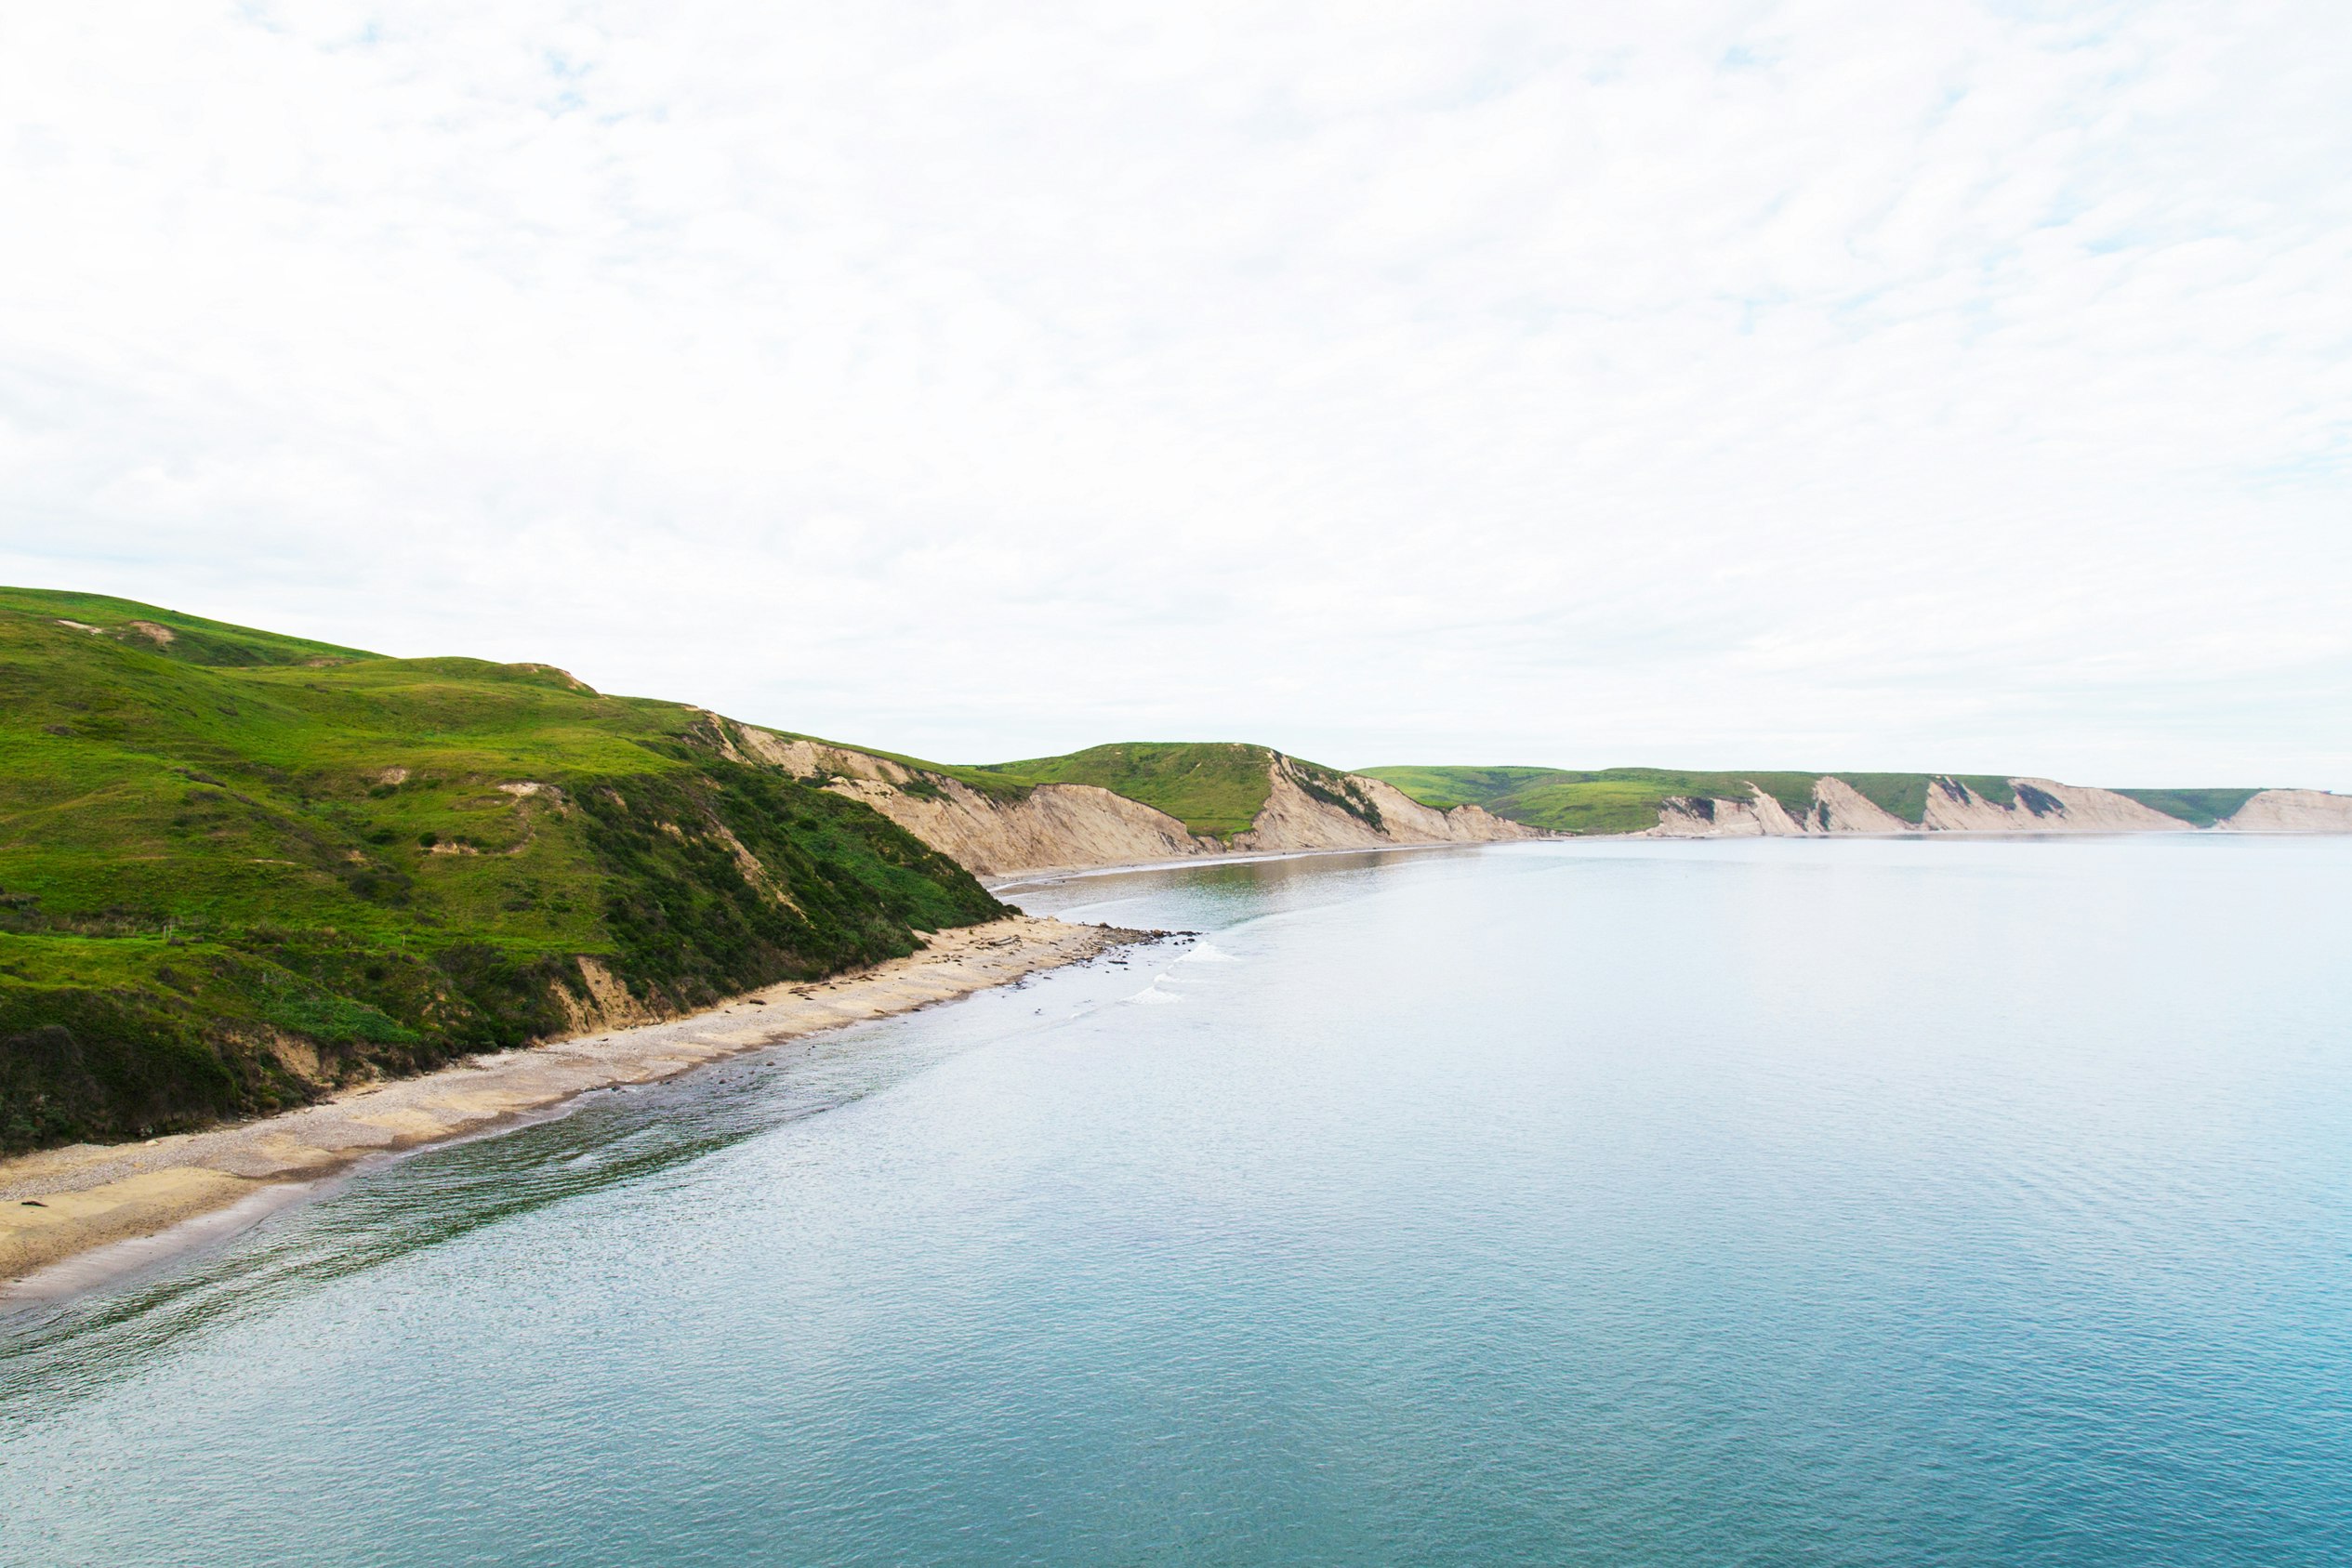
<point>236,867</point>
<point>2198,808</point>
<point>1608,800</point>
<point>188,638</point>
<point>1215,788</point>
<point>1627,799</point>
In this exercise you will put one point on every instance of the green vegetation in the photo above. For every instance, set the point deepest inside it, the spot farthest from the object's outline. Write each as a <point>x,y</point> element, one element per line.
<point>238,868</point>
<point>189,639</point>
<point>1446,789</point>
<point>1905,795</point>
<point>2198,808</point>
<point>1215,788</point>
<point>1609,800</point>
<point>1627,799</point>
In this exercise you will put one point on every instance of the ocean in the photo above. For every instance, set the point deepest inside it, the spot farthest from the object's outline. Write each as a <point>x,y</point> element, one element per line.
<point>1864,1201</point>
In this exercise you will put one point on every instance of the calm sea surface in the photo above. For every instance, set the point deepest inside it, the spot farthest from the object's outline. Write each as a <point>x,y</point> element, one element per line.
<point>1891,1203</point>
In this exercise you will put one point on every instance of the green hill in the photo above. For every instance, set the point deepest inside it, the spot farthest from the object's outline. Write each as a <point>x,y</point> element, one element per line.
<point>1627,799</point>
<point>187,639</point>
<point>237,868</point>
<point>2198,808</point>
<point>1215,788</point>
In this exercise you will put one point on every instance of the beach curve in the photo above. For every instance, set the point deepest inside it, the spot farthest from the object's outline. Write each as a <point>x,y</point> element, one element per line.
<point>58,1204</point>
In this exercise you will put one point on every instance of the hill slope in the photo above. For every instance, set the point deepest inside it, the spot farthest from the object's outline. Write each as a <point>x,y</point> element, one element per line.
<point>185,639</point>
<point>1663,802</point>
<point>1136,801</point>
<point>237,869</point>
<point>1218,789</point>
<point>1215,789</point>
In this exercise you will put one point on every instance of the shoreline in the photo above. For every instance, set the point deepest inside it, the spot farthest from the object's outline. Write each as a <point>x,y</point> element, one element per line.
<point>137,1198</point>
<point>58,1207</point>
<point>1046,876</point>
<point>1054,874</point>
<point>1050,876</point>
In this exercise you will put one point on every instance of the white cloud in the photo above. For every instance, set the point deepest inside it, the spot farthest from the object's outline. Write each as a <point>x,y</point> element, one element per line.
<point>1804,383</point>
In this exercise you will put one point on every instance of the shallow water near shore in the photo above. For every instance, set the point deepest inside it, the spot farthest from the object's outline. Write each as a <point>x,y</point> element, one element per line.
<point>1865,1202</point>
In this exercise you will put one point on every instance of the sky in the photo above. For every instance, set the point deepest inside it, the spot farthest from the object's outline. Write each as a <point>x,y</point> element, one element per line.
<point>1736,383</point>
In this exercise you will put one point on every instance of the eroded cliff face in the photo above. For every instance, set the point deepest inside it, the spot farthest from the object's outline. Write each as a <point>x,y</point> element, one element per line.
<point>1055,824</point>
<point>1064,826</point>
<point>2292,810</point>
<point>1838,807</point>
<point>1687,816</point>
<point>1001,833</point>
<point>2041,806</point>
<point>1375,815</point>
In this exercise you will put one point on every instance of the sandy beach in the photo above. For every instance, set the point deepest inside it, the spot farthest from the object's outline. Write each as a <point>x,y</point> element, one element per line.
<point>60,1203</point>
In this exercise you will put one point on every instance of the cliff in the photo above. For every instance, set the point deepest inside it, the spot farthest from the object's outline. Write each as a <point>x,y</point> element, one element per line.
<point>1663,803</point>
<point>1000,822</point>
<point>2035,806</point>
<point>2292,810</point>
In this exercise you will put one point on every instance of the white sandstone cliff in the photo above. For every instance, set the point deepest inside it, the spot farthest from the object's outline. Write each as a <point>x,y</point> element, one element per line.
<point>2041,806</point>
<point>2292,810</point>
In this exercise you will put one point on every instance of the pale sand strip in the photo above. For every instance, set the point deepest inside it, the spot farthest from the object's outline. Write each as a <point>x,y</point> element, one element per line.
<point>89,1194</point>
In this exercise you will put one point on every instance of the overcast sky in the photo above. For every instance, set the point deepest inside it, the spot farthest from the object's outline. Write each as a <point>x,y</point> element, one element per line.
<point>1930,385</point>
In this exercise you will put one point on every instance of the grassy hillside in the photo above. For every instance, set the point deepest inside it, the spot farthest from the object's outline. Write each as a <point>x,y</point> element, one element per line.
<point>1446,789</point>
<point>1215,788</point>
<point>1627,799</point>
<point>2198,808</point>
<point>1611,801</point>
<point>236,868</point>
<point>187,639</point>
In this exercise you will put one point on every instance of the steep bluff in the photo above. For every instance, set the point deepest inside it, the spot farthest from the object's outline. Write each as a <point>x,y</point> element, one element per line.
<point>1717,803</point>
<point>1000,829</point>
<point>2292,810</point>
<point>1954,806</point>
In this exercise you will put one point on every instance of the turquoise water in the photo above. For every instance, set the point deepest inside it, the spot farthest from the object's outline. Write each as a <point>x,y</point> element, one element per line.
<point>1901,1202</point>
